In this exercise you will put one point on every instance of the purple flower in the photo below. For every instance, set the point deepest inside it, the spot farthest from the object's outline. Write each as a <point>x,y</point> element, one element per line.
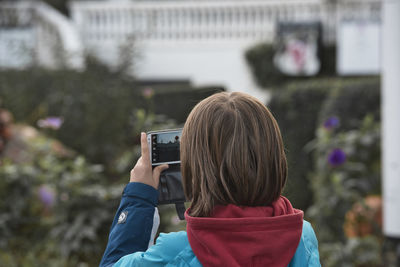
<point>336,157</point>
<point>50,122</point>
<point>46,196</point>
<point>331,123</point>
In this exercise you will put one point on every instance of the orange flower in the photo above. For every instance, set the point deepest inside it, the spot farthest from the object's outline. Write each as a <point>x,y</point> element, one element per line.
<point>364,218</point>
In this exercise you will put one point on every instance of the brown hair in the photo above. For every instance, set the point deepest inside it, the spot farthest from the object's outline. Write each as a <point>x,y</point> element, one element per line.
<point>231,153</point>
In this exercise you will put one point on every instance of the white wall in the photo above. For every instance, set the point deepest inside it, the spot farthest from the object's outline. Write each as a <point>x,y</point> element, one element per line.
<point>203,63</point>
<point>16,47</point>
<point>220,63</point>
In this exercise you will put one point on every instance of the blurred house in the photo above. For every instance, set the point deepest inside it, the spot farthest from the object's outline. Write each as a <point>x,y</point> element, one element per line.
<point>32,31</point>
<point>202,41</point>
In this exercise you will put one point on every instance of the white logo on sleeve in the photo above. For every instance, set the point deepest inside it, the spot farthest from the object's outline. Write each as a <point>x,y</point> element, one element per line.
<point>122,217</point>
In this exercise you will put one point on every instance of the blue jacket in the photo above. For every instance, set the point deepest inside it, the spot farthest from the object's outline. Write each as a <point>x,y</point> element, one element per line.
<point>135,225</point>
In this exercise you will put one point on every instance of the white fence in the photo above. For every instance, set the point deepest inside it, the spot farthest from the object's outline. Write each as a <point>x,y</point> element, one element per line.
<point>210,20</point>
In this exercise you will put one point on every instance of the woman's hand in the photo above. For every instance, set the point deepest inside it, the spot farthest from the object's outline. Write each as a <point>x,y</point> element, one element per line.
<point>142,172</point>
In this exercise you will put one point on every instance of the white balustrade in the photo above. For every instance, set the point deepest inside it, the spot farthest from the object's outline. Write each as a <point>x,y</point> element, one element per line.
<point>15,14</point>
<point>209,20</point>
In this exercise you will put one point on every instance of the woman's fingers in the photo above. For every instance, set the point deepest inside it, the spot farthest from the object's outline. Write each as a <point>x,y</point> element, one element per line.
<point>159,169</point>
<point>157,172</point>
<point>145,148</point>
<point>142,172</point>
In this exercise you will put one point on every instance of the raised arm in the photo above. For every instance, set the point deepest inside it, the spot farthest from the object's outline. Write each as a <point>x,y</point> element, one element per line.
<point>136,221</point>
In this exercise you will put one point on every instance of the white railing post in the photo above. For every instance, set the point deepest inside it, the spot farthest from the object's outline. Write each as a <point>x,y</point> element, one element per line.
<point>390,118</point>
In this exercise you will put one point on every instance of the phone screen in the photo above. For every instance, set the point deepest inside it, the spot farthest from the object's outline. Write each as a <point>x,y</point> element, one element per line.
<point>164,146</point>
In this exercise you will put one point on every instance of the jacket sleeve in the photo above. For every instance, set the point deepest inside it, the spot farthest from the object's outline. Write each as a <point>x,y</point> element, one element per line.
<point>135,223</point>
<point>171,249</point>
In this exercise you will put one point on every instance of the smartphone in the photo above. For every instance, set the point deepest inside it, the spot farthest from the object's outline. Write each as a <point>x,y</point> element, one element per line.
<point>164,146</point>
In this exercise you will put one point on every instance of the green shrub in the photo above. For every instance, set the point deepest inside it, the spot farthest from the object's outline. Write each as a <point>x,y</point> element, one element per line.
<point>260,59</point>
<point>328,60</point>
<point>54,209</point>
<point>103,114</point>
<point>352,100</point>
<point>96,106</point>
<point>99,106</point>
<point>359,252</point>
<point>57,208</point>
<point>303,105</point>
<point>347,169</point>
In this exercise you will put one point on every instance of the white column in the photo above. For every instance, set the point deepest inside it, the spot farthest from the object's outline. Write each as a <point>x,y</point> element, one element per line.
<point>391,116</point>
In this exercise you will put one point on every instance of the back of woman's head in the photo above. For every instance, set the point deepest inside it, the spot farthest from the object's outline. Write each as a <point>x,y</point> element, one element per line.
<point>231,153</point>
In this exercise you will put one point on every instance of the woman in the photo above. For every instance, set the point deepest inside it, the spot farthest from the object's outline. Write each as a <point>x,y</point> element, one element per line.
<point>233,170</point>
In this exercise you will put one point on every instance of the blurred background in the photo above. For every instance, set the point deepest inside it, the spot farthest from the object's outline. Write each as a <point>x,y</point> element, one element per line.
<point>79,80</point>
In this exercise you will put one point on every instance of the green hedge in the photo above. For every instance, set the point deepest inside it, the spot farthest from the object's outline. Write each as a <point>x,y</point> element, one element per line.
<point>99,106</point>
<point>177,102</point>
<point>95,104</point>
<point>352,100</point>
<point>296,110</point>
<point>260,59</point>
<point>338,183</point>
<point>302,106</point>
<point>56,210</point>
